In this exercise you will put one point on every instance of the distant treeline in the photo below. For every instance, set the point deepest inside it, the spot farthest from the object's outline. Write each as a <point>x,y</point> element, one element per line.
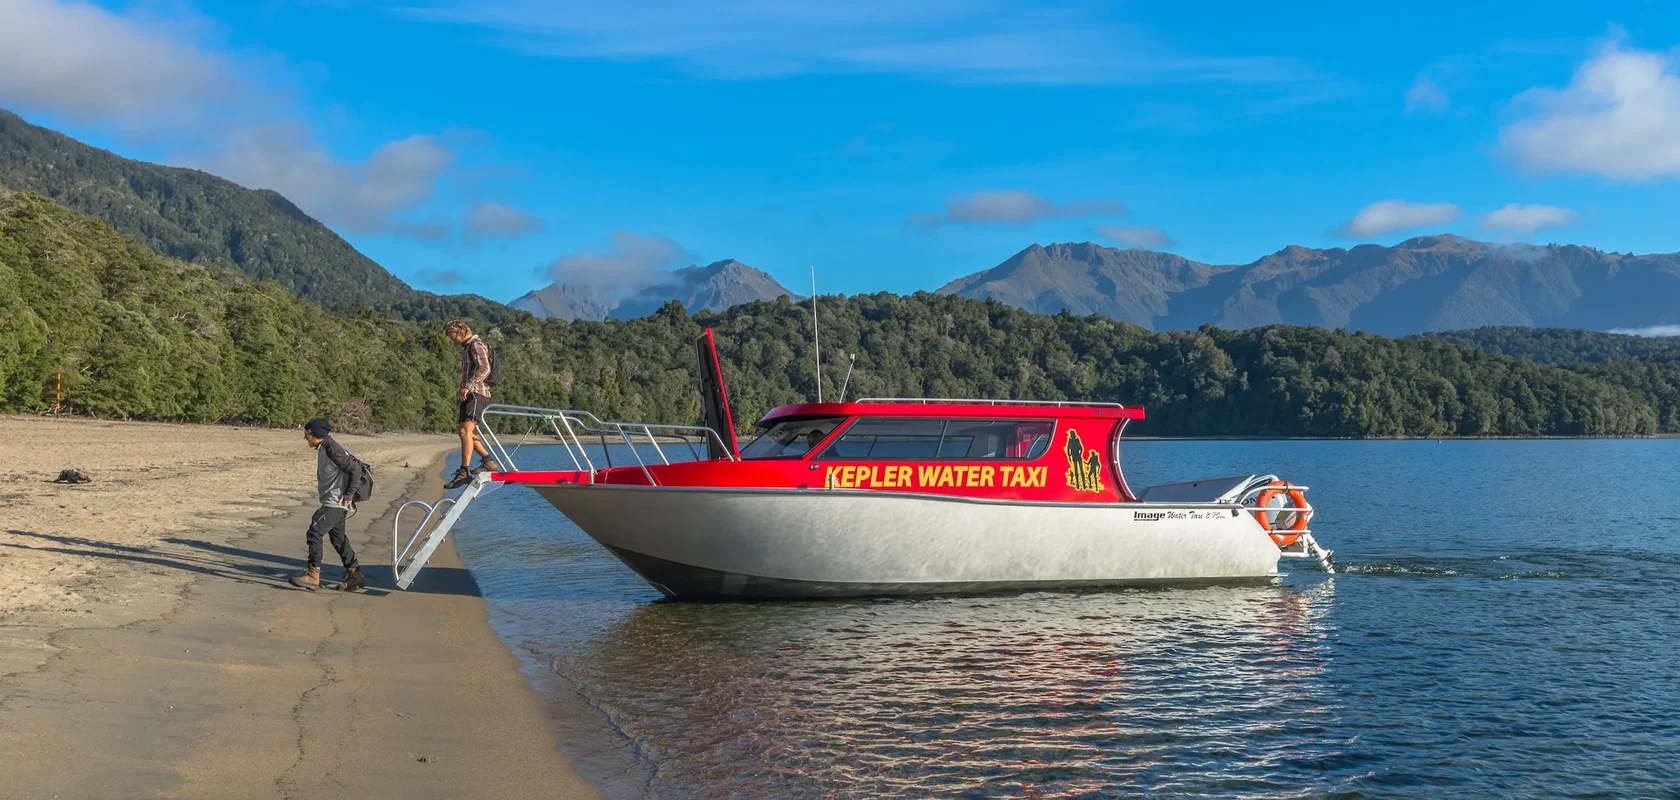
<point>1565,345</point>
<point>1647,366</point>
<point>139,335</point>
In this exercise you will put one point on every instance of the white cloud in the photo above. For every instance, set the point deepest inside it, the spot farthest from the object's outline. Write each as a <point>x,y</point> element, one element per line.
<point>1007,207</point>
<point>629,261</point>
<point>497,221</point>
<point>1654,330</point>
<point>153,78</point>
<point>93,65</point>
<point>1148,237</point>
<point>1619,118</point>
<point>369,196</point>
<point>383,193</point>
<point>1527,219</point>
<point>1007,41</point>
<point>1388,216</point>
<point>1425,96</point>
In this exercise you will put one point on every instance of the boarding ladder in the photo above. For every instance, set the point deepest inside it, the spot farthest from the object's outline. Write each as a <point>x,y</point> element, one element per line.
<point>569,428</point>
<point>407,560</point>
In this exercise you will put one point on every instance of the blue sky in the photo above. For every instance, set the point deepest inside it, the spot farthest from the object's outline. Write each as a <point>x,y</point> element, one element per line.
<point>493,145</point>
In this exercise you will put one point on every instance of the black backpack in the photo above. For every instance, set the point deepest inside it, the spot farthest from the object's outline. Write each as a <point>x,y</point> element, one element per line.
<point>495,376</point>
<point>361,481</point>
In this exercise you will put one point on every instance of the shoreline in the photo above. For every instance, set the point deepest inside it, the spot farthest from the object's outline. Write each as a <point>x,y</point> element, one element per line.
<point>200,673</point>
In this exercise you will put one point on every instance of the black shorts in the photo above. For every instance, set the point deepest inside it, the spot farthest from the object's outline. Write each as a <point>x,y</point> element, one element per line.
<point>472,408</point>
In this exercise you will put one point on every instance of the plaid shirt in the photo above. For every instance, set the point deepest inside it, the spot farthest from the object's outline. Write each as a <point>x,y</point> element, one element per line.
<point>475,366</point>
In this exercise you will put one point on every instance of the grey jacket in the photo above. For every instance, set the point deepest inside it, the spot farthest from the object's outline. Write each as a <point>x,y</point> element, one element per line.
<point>334,469</point>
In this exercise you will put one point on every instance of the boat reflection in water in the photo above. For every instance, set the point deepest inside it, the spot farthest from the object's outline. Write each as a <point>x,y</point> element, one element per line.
<point>1041,695</point>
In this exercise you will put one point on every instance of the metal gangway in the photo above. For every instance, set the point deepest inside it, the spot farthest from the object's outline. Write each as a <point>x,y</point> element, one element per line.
<point>577,431</point>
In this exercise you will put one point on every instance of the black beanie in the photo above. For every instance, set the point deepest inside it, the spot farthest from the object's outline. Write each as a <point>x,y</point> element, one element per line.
<point>318,428</point>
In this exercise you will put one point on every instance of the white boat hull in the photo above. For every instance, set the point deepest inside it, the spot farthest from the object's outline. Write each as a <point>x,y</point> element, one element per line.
<point>741,543</point>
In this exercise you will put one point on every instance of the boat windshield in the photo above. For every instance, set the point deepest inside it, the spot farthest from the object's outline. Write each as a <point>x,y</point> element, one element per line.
<point>791,438</point>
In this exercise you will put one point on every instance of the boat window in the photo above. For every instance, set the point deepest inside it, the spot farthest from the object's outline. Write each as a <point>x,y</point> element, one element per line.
<point>956,439</point>
<point>1031,440</point>
<point>791,438</point>
<point>888,438</point>
<point>985,439</point>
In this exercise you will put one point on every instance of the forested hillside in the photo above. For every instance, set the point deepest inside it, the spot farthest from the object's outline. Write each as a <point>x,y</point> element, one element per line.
<point>140,335</point>
<point>1563,345</point>
<point>202,219</point>
<point>1276,380</point>
<point>1647,366</point>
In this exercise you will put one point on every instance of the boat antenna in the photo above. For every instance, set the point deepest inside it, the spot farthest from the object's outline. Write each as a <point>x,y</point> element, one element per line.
<point>816,340</point>
<point>848,377</point>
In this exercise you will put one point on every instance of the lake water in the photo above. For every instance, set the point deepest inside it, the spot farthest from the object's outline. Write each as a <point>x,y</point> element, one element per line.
<point>1505,622</point>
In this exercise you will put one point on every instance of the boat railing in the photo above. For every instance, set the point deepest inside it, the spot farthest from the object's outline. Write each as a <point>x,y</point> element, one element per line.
<point>1249,494</point>
<point>994,402</point>
<point>1304,546</point>
<point>572,428</point>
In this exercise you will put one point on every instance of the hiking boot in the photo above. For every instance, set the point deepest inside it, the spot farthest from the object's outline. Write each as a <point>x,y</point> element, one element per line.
<point>487,465</point>
<point>462,478</point>
<point>353,580</point>
<point>309,579</point>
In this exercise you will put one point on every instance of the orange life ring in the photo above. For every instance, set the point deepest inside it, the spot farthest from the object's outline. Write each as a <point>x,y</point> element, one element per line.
<point>1297,500</point>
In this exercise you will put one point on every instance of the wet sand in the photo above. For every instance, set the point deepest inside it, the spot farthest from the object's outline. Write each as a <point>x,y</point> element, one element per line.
<point>150,647</point>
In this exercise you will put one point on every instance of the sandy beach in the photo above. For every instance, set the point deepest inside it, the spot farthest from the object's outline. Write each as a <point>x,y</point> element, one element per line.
<point>150,646</point>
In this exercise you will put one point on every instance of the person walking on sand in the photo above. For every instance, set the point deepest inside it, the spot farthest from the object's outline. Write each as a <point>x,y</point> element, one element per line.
<point>335,469</point>
<point>474,397</point>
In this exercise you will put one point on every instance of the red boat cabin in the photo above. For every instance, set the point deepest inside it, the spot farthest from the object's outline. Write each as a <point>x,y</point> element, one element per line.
<point>1049,452</point>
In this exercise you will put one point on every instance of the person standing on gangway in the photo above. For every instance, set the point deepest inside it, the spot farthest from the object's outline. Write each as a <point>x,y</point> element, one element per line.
<point>479,371</point>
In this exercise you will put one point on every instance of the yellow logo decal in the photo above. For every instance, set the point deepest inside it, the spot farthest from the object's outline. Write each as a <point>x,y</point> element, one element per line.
<point>1084,472</point>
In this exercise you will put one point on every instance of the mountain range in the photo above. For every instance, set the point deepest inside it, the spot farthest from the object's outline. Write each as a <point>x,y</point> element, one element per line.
<point>1428,283</point>
<point>714,287</point>
<point>101,324</point>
